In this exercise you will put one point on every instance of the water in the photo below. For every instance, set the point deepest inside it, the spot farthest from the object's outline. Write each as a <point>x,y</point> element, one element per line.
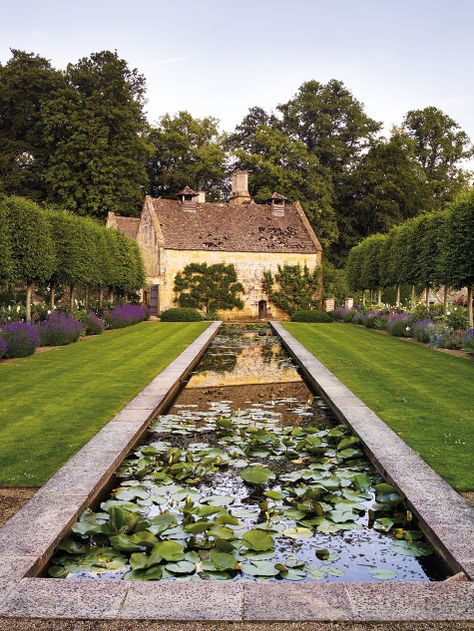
<point>248,379</point>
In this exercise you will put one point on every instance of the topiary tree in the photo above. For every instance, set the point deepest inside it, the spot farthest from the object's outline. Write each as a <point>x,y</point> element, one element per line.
<point>32,246</point>
<point>372,251</point>
<point>355,261</point>
<point>297,288</point>
<point>457,247</point>
<point>77,264</point>
<point>425,249</point>
<point>6,262</point>
<point>208,287</point>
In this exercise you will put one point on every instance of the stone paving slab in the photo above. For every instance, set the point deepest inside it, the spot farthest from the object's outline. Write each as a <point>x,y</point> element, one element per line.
<point>183,601</point>
<point>444,516</point>
<point>58,598</point>
<point>292,601</point>
<point>412,601</point>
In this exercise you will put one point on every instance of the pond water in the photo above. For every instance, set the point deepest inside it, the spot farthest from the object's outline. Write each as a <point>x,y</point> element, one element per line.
<point>249,477</point>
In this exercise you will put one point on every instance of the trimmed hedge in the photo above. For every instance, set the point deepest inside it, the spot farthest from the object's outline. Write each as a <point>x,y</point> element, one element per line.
<point>310,315</point>
<point>181,314</point>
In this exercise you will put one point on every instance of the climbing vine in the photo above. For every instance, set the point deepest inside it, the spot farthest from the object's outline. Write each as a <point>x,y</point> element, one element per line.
<point>208,287</point>
<point>293,287</point>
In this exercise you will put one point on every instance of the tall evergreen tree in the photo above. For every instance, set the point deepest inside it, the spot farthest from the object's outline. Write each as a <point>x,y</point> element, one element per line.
<point>28,83</point>
<point>187,151</point>
<point>96,132</point>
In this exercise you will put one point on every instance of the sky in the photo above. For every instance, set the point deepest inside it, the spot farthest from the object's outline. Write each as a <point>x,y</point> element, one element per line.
<point>220,57</point>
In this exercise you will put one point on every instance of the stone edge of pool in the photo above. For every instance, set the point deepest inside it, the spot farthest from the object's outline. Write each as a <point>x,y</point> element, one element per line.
<point>29,538</point>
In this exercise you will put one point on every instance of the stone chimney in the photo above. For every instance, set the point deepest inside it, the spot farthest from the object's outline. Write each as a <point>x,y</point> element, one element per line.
<point>187,198</point>
<point>240,188</point>
<point>278,204</point>
<point>201,197</point>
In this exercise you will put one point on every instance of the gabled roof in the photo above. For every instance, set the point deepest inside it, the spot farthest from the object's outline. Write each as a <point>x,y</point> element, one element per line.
<point>128,225</point>
<point>244,228</point>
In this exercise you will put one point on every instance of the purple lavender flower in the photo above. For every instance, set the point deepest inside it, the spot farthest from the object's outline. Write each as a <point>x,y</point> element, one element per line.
<point>59,329</point>
<point>3,347</point>
<point>125,315</point>
<point>21,337</point>
<point>467,341</point>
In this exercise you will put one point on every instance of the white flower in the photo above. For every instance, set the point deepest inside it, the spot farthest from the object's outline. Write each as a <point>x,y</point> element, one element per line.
<point>49,311</point>
<point>407,328</point>
<point>18,309</point>
<point>448,312</point>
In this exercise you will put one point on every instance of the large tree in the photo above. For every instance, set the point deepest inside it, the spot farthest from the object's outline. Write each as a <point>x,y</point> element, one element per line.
<point>387,187</point>
<point>440,147</point>
<point>187,151</point>
<point>28,83</point>
<point>96,132</point>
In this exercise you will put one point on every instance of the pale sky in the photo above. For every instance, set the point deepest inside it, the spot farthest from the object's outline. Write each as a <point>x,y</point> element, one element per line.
<point>220,57</point>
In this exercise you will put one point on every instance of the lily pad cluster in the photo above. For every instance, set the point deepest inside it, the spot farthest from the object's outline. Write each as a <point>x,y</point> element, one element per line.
<point>222,497</point>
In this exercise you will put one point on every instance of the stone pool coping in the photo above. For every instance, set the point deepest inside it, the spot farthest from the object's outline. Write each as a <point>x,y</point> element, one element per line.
<point>28,539</point>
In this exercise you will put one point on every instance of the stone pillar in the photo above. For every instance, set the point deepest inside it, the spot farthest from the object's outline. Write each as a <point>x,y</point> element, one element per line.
<point>329,304</point>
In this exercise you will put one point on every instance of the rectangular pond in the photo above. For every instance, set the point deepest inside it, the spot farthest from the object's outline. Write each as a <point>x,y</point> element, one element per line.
<point>248,477</point>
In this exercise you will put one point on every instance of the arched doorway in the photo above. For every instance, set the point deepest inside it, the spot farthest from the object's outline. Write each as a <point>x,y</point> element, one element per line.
<point>262,310</point>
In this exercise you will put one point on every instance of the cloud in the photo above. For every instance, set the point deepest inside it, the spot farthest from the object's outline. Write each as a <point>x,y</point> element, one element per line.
<point>162,62</point>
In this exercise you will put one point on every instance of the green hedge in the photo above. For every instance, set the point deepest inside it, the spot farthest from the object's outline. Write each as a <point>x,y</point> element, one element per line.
<point>310,315</point>
<point>181,314</point>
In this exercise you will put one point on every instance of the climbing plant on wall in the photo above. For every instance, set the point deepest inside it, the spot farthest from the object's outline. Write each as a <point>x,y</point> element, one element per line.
<point>208,287</point>
<point>293,287</point>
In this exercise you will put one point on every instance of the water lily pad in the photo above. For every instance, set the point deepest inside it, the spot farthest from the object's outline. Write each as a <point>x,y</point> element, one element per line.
<point>412,548</point>
<point>218,500</point>
<point>125,543</point>
<point>258,540</point>
<point>257,475</point>
<point>260,568</point>
<point>298,533</point>
<point>168,550</point>
<point>223,560</point>
<point>384,524</point>
<point>182,567</point>
<point>382,574</point>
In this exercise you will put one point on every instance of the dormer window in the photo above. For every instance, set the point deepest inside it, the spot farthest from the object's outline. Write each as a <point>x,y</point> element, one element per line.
<point>188,199</point>
<point>278,204</point>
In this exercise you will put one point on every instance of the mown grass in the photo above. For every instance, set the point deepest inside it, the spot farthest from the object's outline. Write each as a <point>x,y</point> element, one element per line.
<point>425,396</point>
<point>52,403</point>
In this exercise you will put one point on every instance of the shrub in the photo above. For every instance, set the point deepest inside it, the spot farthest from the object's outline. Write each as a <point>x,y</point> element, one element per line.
<point>457,321</point>
<point>22,339</point>
<point>181,314</point>
<point>310,315</point>
<point>125,315</point>
<point>93,325</point>
<point>400,324</point>
<point>443,336</point>
<point>343,314</point>
<point>59,329</point>
<point>467,341</point>
<point>3,347</point>
<point>422,329</point>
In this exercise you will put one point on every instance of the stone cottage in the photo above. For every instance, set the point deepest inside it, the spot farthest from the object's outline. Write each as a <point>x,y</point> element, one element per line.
<point>253,237</point>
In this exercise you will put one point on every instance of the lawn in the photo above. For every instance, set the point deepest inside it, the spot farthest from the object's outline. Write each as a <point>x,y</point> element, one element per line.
<point>52,403</point>
<point>425,396</point>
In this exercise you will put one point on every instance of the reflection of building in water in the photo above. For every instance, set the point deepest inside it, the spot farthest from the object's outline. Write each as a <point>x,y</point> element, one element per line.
<point>262,363</point>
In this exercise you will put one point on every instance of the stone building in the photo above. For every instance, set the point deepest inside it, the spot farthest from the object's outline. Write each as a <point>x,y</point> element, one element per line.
<point>253,237</point>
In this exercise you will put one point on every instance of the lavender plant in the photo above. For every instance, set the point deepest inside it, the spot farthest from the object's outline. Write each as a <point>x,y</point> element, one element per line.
<point>59,329</point>
<point>22,338</point>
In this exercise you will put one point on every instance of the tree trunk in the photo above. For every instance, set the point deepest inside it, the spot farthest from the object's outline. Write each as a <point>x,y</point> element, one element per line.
<point>469,306</point>
<point>101,296</point>
<point>52,297</point>
<point>86,297</point>
<point>111,295</point>
<point>379,296</point>
<point>413,294</point>
<point>427,297</point>
<point>397,296</point>
<point>445,302</point>
<point>71,298</point>
<point>28,303</point>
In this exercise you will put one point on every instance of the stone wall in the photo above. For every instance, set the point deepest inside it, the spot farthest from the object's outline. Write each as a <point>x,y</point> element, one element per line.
<point>250,267</point>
